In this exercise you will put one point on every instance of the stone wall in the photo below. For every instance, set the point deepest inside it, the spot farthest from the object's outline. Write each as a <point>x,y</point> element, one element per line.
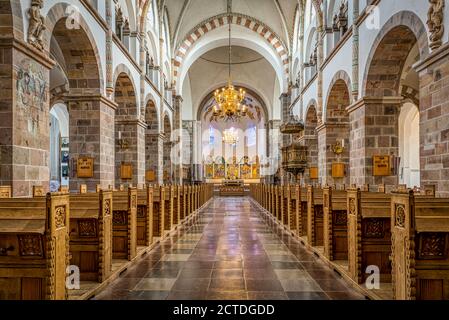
<point>434,120</point>
<point>91,134</point>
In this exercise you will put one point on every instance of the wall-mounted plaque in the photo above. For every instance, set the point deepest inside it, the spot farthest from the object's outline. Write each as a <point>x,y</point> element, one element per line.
<point>126,171</point>
<point>150,175</point>
<point>85,167</point>
<point>381,166</point>
<point>338,170</point>
<point>313,173</point>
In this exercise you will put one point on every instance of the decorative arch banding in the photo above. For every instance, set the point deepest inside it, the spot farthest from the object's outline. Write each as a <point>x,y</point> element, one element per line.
<point>238,19</point>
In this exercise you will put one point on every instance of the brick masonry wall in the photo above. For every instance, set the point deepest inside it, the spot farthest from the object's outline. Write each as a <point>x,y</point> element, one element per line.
<point>434,121</point>
<point>374,131</point>
<point>30,126</point>
<point>91,133</point>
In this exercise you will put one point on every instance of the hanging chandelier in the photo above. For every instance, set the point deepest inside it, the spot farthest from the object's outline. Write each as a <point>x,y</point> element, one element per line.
<point>229,102</point>
<point>230,136</point>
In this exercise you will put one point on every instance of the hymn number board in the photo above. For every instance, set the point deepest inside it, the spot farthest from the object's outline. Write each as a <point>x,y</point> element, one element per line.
<point>85,167</point>
<point>381,166</point>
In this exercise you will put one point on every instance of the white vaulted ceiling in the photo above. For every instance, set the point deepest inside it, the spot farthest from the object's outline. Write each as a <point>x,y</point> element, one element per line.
<point>184,15</point>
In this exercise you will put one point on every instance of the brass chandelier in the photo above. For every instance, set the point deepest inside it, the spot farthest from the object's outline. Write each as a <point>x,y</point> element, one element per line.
<point>230,136</point>
<point>229,101</point>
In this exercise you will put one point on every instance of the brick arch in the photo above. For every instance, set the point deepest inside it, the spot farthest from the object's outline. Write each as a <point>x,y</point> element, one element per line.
<point>221,20</point>
<point>338,98</point>
<point>80,49</point>
<point>311,117</point>
<point>166,123</point>
<point>151,117</point>
<point>11,23</point>
<point>125,89</point>
<point>387,50</point>
<point>125,97</point>
<point>151,104</point>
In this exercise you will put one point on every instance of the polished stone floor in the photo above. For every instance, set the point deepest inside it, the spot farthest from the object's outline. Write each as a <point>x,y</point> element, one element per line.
<point>230,252</point>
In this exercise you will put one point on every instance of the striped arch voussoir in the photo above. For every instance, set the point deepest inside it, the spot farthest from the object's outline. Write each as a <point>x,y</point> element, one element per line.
<point>215,22</point>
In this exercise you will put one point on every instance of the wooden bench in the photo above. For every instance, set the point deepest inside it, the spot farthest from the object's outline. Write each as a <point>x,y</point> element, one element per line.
<point>91,234</point>
<point>293,207</point>
<point>315,221</point>
<point>34,247</point>
<point>167,216</point>
<point>124,222</point>
<point>158,211</point>
<point>176,216</point>
<point>145,216</point>
<point>335,224</point>
<point>420,247</point>
<point>369,236</point>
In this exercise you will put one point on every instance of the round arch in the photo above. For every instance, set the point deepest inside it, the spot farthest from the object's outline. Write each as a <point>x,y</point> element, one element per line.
<point>55,14</point>
<point>407,26</point>
<point>211,25</point>
<point>210,42</point>
<point>340,76</point>
<point>249,89</point>
<point>123,69</point>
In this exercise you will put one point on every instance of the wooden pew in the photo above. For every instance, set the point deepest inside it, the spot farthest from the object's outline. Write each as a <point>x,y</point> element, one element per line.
<point>315,216</point>
<point>285,195</point>
<point>124,224</point>
<point>145,216</point>
<point>176,215</point>
<point>158,211</point>
<point>167,217</point>
<point>369,236</point>
<point>5,192</point>
<point>420,247</point>
<point>182,202</point>
<point>293,208</point>
<point>335,238</point>
<point>302,219</point>
<point>34,247</point>
<point>91,234</point>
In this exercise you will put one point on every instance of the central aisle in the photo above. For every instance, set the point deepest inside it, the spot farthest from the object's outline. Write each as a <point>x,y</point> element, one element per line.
<point>229,253</point>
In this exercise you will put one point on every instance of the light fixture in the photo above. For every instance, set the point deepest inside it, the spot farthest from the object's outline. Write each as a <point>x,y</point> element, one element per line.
<point>230,136</point>
<point>229,102</point>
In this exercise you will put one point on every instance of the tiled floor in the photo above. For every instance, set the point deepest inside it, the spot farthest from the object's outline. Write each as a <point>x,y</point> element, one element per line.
<point>229,253</point>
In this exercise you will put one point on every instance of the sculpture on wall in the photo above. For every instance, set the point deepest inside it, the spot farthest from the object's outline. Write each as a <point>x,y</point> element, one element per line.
<point>36,24</point>
<point>435,18</point>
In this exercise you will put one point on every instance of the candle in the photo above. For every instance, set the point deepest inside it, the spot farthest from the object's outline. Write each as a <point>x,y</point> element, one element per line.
<point>119,134</point>
<point>343,143</point>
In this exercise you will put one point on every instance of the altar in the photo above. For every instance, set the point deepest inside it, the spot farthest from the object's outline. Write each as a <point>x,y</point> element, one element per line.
<point>232,188</point>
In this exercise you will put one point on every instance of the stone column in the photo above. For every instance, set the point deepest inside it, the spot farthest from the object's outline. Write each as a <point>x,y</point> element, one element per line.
<point>24,117</point>
<point>274,144</point>
<point>434,119</point>
<point>374,131</point>
<point>133,132</point>
<point>187,149</point>
<point>286,138</point>
<point>109,56</point>
<point>154,155</point>
<point>328,135</point>
<point>178,138</point>
<point>91,134</point>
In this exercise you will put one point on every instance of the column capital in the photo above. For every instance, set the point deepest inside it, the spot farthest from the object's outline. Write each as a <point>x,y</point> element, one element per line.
<point>374,100</point>
<point>94,97</point>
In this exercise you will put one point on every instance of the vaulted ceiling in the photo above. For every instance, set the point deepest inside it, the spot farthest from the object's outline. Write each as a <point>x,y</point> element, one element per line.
<point>184,15</point>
